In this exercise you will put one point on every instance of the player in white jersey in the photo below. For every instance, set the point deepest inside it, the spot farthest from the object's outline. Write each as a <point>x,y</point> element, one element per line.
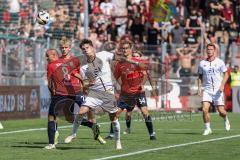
<point>100,91</point>
<point>212,77</point>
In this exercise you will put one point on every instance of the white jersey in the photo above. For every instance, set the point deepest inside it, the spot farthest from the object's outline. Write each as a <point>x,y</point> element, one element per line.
<point>212,74</point>
<point>99,69</point>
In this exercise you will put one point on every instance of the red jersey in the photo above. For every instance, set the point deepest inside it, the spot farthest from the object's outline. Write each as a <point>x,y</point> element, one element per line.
<point>131,75</point>
<point>227,13</point>
<point>61,75</point>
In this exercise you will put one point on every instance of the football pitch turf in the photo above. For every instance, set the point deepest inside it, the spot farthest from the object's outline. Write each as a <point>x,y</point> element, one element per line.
<point>177,139</point>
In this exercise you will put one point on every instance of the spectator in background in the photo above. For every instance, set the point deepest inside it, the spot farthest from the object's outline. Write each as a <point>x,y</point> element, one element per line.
<point>112,31</point>
<point>14,10</point>
<point>176,40</point>
<point>137,28</point>
<point>107,8</point>
<point>143,12</point>
<point>185,55</point>
<point>6,17</point>
<point>214,12</point>
<point>96,8</point>
<point>226,17</point>
<point>235,76</point>
<point>182,11</point>
<point>176,37</point>
<point>233,33</point>
<point>133,13</point>
<point>193,21</point>
<point>192,40</point>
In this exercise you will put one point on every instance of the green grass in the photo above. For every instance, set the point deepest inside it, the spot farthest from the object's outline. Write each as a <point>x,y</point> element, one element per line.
<point>28,145</point>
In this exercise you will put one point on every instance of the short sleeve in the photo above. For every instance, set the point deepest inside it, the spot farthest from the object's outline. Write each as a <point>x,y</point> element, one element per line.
<point>200,70</point>
<point>110,56</point>
<point>223,67</point>
<point>116,72</point>
<point>83,73</point>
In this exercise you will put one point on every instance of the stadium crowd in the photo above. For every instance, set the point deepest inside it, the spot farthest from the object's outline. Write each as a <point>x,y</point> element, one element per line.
<point>191,23</point>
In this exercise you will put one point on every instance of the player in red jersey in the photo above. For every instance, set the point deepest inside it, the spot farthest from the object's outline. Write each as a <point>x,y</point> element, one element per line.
<point>131,74</point>
<point>66,88</point>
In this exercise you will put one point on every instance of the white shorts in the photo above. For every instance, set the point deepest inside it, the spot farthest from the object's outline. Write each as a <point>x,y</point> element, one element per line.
<point>105,100</point>
<point>217,98</point>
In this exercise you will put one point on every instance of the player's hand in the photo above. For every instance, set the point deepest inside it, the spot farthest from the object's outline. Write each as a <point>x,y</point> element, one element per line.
<point>200,92</point>
<point>88,82</point>
<point>92,82</point>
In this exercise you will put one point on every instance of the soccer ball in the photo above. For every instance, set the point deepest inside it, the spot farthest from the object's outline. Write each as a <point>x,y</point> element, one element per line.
<point>43,17</point>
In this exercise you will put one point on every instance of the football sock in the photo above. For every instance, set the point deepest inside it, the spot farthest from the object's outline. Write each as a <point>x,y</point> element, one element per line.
<point>116,129</point>
<point>76,123</point>
<point>207,125</point>
<point>87,123</point>
<point>56,125</point>
<point>111,129</point>
<point>226,118</point>
<point>148,121</point>
<point>128,122</point>
<point>51,131</point>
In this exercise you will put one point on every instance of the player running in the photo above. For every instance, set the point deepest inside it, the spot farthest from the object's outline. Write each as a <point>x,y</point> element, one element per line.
<point>210,78</point>
<point>131,74</point>
<point>100,93</point>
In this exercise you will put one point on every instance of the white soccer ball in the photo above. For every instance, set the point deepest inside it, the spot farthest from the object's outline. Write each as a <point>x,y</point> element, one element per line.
<point>43,17</point>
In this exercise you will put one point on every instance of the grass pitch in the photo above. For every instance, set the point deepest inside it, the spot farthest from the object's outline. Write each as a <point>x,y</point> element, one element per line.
<point>177,139</point>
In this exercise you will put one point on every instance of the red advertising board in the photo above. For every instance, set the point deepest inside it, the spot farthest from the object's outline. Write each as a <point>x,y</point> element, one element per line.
<point>19,102</point>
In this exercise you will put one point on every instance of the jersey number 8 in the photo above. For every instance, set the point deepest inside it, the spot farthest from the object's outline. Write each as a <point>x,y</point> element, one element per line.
<point>66,73</point>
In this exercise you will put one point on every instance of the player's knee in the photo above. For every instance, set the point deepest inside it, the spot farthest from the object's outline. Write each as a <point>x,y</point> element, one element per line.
<point>222,113</point>
<point>205,110</point>
<point>51,118</point>
<point>92,120</point>
<point>128,118</point>
<point>113,117</point>
<point>148,118</point>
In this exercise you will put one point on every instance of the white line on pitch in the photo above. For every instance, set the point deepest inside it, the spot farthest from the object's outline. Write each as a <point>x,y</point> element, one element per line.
<point>42,129</point>
<point>189,129</point>
<point>167,147</point>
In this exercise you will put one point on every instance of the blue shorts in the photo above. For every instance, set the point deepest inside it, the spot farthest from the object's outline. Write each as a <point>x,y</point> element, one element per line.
<point>61,101</point>
<point>129,101</point>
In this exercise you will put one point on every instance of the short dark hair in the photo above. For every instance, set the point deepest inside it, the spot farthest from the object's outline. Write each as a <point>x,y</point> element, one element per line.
<point>86,41</point>
<point>51,49</point>
<point>123,42</point>
<point>211,44</point>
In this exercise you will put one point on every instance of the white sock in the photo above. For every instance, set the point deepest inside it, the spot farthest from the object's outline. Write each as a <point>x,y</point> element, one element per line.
<point>116,129</point>
<point>207,125</point>
<point>76,124</point>
<point>1,126</point>
<point>226,119</point>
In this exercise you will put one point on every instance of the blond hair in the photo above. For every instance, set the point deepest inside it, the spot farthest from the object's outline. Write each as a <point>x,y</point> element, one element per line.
<point>65,42</point>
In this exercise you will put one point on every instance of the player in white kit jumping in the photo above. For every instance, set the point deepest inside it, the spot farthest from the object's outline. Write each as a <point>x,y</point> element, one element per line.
<point>212,77</point>
<point>101,90</point>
